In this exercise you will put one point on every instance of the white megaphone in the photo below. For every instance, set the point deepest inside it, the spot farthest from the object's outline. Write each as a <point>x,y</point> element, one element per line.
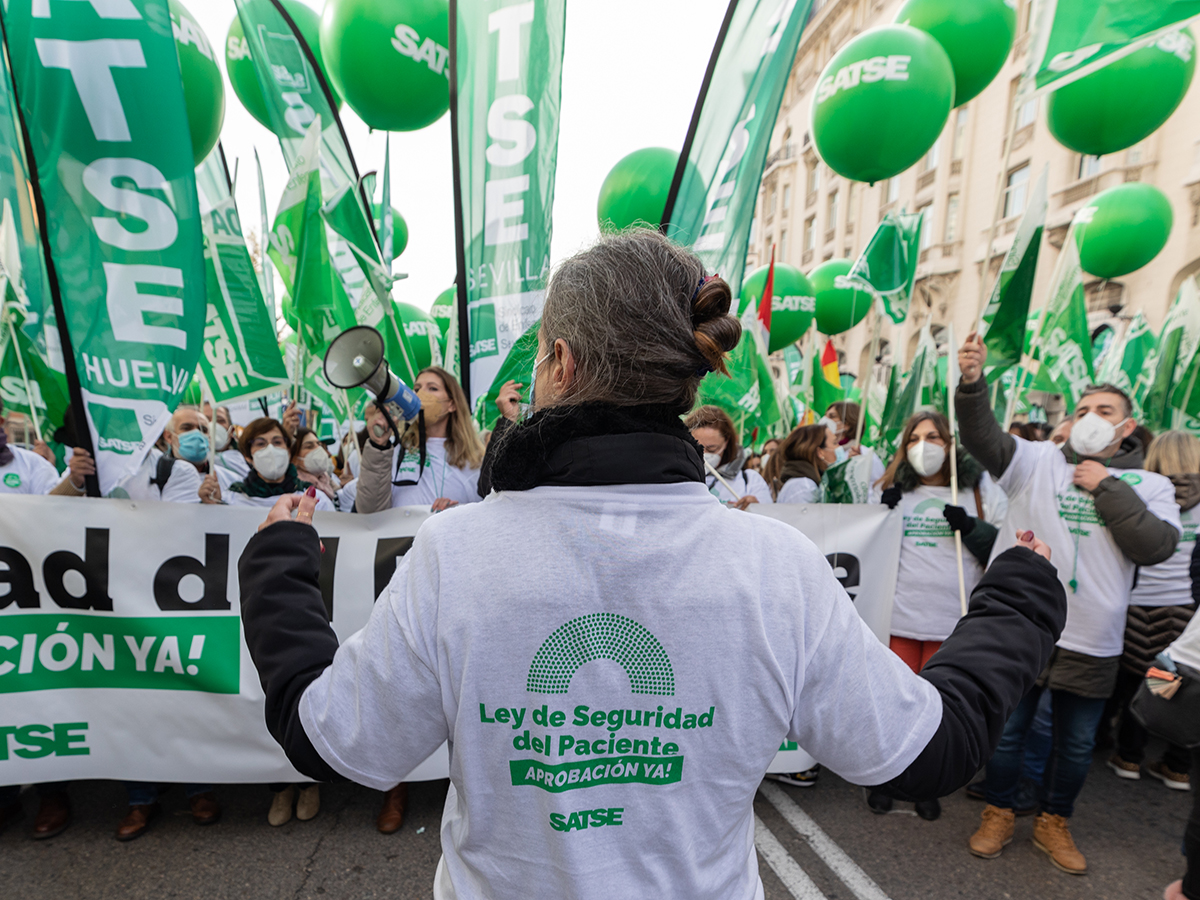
<point>355,357</point>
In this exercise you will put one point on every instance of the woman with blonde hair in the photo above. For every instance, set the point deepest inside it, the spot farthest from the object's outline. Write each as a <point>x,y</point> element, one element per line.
<point>794,470</point>
<point>1160,606</point>
<point>436,462</point>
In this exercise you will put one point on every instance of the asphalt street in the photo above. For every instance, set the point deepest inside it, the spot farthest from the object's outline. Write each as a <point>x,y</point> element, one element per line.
<point>819,843</point>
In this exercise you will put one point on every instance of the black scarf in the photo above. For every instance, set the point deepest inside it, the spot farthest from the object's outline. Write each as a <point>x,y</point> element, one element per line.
<point>254,486</point>
<point>799,468</point>
<point>595,444</point>
<point>6,454</point>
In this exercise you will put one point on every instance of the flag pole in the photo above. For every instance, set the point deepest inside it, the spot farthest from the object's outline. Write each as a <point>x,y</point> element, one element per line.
<point>12,331</point>
<point>958,547</point>
<point>717,475</point>
<point>212,431</point>
<point>984,273</point>
<point>866,404</point>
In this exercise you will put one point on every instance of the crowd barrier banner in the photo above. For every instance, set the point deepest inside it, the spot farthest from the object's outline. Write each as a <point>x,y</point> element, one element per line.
<point>121,651</point>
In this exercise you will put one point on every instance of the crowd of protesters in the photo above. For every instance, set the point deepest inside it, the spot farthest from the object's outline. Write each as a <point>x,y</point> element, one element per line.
<point>1117,506</point>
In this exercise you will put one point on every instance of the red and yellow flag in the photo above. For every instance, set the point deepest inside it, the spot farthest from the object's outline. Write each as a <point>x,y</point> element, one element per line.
<point>829,365</point>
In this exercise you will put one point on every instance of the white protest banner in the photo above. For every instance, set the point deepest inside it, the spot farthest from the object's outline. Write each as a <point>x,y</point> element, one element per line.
<point>121,650</point>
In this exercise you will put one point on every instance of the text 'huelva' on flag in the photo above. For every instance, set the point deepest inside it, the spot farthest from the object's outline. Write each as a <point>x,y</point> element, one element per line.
<point>507,63</point>
<point>100,95</point>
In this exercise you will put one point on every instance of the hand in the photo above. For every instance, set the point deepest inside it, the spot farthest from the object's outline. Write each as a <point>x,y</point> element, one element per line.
<point>379,422</point>
<point>210,489</point>
<point>42,450</point>
<point>508,401</point>
<point>303,504</point>
<point>442,503</point>
<point>81,464</point>
<point>891,496</point>
<point>959,519</point>
<point>971,357</point>
<point>854,448</point>
<point>745,501</point>
<point>291,419</point>
<point>1089,474</point>
<point>1029,542</point>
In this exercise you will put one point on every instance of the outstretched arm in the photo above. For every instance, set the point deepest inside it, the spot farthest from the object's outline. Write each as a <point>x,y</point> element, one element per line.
<point>981,433</point>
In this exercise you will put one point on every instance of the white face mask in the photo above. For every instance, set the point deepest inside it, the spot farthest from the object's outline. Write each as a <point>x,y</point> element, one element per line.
<point>1091,434</point>
<point>220,436</point>
<point>926,458</point>
<point>533,378</point>
<point>317,462</point>
<point>271,462</point>
<point>765,458</point>
<point>713,459</point>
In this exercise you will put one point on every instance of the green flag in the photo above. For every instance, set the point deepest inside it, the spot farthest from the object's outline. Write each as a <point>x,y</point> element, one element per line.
<point>517,366</point>
<point>102,101</point>
<point>902,402</point>
<point>1073,38</point>
<point>748,394</point>
<point>930,386</point>
<point>1003,324</point>
<point>27,383</point>
<point>241,357</point>
<point>1064,344</point>
<point>506,57</point>
<point>1124,361</point>
<point>1172,386</point>
<point>887,267</point>
<point>721,168</point>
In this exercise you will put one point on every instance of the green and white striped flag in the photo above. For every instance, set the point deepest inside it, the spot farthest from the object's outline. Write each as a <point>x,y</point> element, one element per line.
<point>241,357</point>
<point>887,267</point>
<point>1064,344</point>
<point>1124,361</point>
<point>1171,393</point>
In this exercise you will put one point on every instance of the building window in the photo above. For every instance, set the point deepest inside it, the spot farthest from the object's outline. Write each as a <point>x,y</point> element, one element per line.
<point>770,202</point>
<point>960,134</point>
<point>893,189</point>
<point>831,211</point>
<point>950,231</point>
<point>1133,156</point>
<point>851,191</point>
<point>1027,113</point>
<point>787,197</point>
<point>1088,166</point>
<point>931,158</point>
<point>1016,191</point>
<point>810,233</point>
<point>814,178</point>
<point>926,212</point>
<point>782,243</point>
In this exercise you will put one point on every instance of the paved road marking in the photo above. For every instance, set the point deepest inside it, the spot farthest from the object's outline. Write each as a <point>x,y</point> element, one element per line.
<point>794,878</point>
<point>859,882</point>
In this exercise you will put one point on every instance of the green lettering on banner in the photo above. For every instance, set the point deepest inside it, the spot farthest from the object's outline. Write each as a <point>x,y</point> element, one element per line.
<point>168,653</point>
<point>610,770</point>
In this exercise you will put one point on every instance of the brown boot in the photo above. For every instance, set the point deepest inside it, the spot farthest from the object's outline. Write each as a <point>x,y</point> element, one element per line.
<point>391,817</point>
<point>205,808</point>
<point>1052,836</point>
<point>53,816</point>
<point>137,820</point>
<point>995,832</point>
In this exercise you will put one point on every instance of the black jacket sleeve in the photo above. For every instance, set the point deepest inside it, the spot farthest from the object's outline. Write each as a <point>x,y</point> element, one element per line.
<point>981,433</point>
<point>1142,536</point>
<point>287,632</point>
<point>980,540</point>
<point>485,467</point>
<point>984,668</point>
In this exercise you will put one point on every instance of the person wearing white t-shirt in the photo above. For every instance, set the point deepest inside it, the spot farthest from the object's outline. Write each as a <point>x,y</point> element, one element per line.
<point>926,606</point>
<point>438,468</point>
<point>267,449</point>
<point>798,463</point>
<point>1160,607</point>
<point>23,471</point>
<point>727,477</point>
<point>1103,515</point>
<point>610,715</point>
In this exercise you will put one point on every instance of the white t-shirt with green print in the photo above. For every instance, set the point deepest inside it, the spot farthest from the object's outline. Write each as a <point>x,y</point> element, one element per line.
<point>614,669</point>
<point>1097,576</point>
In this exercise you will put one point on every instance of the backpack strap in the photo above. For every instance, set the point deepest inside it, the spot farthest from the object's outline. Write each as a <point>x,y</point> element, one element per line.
<point>162,472</point>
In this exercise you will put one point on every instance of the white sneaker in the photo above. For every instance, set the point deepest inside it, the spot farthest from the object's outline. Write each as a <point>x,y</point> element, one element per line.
<point>1124,769</point>
<point>1176,781</point>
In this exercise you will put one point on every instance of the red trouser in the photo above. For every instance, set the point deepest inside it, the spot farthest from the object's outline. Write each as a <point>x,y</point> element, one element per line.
<point>914,653</point>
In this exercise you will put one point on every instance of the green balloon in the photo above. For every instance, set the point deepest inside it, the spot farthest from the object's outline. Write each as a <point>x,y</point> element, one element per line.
<point>1117,106</point>
<point>240,66</point>
<point>389,59</point>
<point>1122,229</point>
<point>635,190</point>
<point>838,309</point>
<point>399,228</point>
<point>443,310</point>
<point>793,302</point>
<point>419,327</point>
<point>203,87</point>
<point>881,103</point>
<point>976,34</point>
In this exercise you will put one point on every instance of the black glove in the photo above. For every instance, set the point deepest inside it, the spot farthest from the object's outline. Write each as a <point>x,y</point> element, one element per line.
<point>891,496</point>
<point>958,519</point>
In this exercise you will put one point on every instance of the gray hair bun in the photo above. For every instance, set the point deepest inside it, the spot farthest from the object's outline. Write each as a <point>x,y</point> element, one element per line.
<point>713,329</point>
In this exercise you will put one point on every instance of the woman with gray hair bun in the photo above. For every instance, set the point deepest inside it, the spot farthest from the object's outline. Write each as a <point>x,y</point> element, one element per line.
<point>610,714</point>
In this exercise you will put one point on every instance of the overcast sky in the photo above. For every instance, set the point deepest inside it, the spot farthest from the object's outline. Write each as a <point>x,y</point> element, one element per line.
<point>632,69</point>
